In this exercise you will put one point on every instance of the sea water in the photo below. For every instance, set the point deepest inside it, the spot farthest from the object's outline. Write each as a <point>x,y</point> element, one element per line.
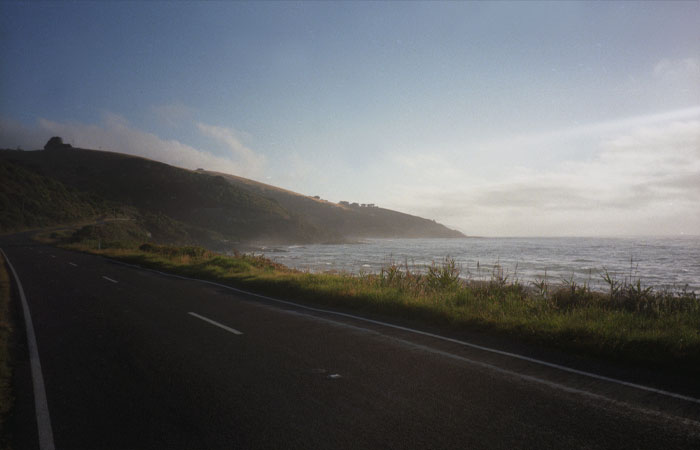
<point>660,262</point>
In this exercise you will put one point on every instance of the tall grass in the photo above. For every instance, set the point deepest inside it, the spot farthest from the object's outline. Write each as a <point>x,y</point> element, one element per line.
<point>629,321</point>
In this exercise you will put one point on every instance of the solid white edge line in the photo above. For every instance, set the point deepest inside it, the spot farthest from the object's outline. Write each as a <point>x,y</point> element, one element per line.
<point>213,322</point>
<point>109,279</point>
<point>43,419</point>
<point>507,372</point>
<point>437,336</point>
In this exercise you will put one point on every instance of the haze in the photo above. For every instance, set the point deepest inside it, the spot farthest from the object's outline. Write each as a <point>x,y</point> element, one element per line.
<point>492,118</point>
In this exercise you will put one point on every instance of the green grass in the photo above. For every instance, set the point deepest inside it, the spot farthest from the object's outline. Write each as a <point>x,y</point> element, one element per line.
<point>30,200</point>
<point>6,398</point>
<point>171,196</point>
<point>632,324</point>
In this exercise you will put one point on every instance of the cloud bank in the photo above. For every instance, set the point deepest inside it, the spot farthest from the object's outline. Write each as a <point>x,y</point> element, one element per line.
<point>115,133</point>
<point>643,179</point>
<point>253,162</point>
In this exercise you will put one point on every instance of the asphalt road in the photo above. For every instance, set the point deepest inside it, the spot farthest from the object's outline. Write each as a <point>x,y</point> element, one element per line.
<point>136,360</point>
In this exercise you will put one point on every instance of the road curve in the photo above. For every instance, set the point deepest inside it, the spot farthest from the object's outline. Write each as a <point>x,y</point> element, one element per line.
<point>136,360</point>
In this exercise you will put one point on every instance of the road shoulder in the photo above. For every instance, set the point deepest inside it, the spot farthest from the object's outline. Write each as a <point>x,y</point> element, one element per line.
<point>17,416</point>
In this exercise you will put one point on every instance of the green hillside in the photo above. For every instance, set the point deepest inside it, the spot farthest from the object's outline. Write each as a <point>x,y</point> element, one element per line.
<point>348,220</point>
<point>29,200</point>
<point>177,205</point>
<point>195,199</point>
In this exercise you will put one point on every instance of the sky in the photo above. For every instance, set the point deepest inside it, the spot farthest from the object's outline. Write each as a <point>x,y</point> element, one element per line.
<point>494,118</point>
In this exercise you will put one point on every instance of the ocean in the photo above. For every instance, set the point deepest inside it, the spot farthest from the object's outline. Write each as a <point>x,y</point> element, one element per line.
<point>660,262</point>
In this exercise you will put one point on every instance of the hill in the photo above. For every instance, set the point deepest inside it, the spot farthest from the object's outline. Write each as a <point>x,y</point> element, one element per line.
<point>351,220</point>
<point>181,205</point>
<point>201,202</point>
<point>29,200</point>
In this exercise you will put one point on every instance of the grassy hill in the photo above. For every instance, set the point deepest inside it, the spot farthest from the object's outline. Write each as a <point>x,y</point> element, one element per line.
<point>183,206</point>
<point>349,221</point>
<point>200,201</point>
<point>29,200</point>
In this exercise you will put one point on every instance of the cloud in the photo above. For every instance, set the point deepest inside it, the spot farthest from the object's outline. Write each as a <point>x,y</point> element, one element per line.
<point>597,129</point>
<point>644,179</point>
<point>678,70</point>
<point>115,133</point>
<point>675,81</point>
<point>247,158</point>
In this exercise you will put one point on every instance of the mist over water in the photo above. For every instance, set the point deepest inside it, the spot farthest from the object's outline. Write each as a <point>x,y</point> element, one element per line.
<point>666,262</point>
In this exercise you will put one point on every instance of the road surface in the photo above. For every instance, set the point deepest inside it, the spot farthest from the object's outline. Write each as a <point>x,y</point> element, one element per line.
<point>132,359</point>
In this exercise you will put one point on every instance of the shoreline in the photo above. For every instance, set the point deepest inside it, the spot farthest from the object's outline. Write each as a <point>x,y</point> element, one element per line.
<point>524,260</point>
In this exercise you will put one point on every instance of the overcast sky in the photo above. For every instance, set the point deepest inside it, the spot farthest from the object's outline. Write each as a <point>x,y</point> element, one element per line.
<point>498,119</point>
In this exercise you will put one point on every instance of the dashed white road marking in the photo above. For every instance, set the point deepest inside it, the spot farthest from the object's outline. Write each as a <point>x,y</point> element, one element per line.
<point>437,336</point>
<point>43,419</point>
<point>109,279</point>
<point>53,256</point>
<point>73,264</point>
<point>229,329</point>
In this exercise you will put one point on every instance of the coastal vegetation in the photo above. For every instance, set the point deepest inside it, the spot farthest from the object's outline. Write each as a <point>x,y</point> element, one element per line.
<point>629,322</point>
<point>29,200</point>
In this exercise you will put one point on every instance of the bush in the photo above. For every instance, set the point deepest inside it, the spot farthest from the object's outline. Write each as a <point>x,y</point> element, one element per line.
<point>174,251</point>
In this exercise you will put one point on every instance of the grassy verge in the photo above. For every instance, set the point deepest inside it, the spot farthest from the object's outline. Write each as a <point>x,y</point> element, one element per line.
<point>6,398</point>
<point>630,323</point>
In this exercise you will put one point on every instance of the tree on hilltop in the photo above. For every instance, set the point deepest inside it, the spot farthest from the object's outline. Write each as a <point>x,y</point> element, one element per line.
<point>56,143</point>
